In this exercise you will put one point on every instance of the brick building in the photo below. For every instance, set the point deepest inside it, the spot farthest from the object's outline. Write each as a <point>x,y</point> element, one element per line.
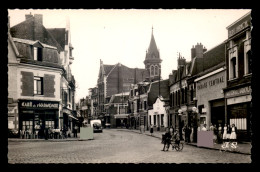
<point>36,76</point>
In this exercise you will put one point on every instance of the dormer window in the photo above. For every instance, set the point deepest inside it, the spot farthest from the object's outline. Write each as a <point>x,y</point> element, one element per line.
<point>37,53</point>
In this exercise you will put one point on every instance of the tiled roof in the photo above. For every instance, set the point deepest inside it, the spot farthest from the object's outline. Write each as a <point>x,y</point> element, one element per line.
<point>59,35</point>
<point>32,30</point>
<point>154,91</point>
<point>108,68</point>
<point>210,59</point>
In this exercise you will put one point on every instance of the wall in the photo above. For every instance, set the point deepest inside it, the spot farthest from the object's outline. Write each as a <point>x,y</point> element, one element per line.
<point>42,72</point>
<point>206,91</point>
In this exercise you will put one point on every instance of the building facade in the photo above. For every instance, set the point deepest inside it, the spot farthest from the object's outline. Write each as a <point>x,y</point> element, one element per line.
<point>35,76</point>
<point>239,73</point>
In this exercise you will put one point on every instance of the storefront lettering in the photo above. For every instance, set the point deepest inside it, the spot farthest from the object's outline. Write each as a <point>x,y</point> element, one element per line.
<point>238,28</point>
<point>211,83</point>
<point>244,90</point>
<point>38,104</point>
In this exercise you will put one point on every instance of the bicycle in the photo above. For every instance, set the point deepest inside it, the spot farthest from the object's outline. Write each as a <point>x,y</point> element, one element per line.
<point>176,146</point>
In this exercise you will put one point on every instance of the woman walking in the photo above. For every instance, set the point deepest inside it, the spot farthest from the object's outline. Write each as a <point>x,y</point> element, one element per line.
<point>233,135</point>
<point>225,133</point>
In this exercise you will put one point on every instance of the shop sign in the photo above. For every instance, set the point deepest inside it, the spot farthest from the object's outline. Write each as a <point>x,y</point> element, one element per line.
<point>240,91</point>
<point>238,28</point>
<point>210,83</point>
<point>34,104</point>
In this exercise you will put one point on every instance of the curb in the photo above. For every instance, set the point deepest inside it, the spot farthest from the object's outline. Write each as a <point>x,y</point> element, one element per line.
<point>195,145</point>
<point>43,140</point>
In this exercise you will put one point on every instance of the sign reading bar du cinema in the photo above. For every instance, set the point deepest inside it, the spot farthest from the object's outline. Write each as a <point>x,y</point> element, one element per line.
<point>35,104</point>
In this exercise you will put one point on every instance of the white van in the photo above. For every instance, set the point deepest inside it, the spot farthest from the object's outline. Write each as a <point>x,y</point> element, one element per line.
<point>96,124</point>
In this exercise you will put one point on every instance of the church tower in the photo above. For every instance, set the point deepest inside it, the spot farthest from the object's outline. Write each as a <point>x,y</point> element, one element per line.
<point>152,60</point>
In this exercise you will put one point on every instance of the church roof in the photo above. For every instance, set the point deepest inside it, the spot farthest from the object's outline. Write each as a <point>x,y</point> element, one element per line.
<point>152,52</point>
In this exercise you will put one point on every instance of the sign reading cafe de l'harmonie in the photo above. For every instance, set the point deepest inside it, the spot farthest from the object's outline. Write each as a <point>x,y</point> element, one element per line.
<point>38,104</point>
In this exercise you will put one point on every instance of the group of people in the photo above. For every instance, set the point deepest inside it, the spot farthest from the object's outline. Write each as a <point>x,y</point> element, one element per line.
<point>223,134</point>
<point>168,136</point>
<point>48,132</point>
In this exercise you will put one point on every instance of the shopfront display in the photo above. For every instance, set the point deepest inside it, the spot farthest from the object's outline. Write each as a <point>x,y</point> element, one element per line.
<point>32,112</point>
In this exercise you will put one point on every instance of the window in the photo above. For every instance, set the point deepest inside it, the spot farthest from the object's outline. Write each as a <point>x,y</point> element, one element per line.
<point>233,62</point>
<point>156,70</point>
<point>152,70</point>
<point>248,62</point>
<point>37,53</point>
<point>144,105</point>
<point>38,85</point>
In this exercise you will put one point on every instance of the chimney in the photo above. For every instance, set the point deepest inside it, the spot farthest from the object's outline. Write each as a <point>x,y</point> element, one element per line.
<point>193,52</point>
<point>27,16</point>
<point>199,50</point>
<point>38,18</point>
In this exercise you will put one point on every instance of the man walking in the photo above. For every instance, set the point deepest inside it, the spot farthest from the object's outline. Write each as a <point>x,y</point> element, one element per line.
<point>75,131</point>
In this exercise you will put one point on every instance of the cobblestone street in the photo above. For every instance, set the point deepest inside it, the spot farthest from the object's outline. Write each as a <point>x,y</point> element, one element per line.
<point>114,146</point>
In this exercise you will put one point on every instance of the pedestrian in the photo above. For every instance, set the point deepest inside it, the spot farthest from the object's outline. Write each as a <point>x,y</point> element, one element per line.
<point>233,135</point>
<point>204,128</point>
<point>75,131</point>
<point>215,134</point>
<point>176,137</point>
<point>188,134</point>
<point>183,133</point>
<point>225,133</point>
<point>219,133</point>
<point>166,139</point>
<point>228,132</point>
<point>46,133</point>
<point>37,129</point>
<point>151,129</point>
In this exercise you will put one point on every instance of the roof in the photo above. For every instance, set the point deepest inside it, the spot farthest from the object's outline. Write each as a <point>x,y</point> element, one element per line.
<point>30,42</point>
<point>30,29</point>
<point>153,92</point>
<point>152,50</point>
<point>210,59</point>
<point>59,35</point>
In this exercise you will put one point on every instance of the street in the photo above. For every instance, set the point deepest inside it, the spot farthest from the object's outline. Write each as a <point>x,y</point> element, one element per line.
<point>115,146</point>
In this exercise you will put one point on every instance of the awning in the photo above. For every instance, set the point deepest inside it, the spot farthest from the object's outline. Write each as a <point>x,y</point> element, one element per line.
<point>121,116</point>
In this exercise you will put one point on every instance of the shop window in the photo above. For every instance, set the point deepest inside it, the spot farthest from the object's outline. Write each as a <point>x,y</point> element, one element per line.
<point>240,123</point>
<point>38,85</point>
<point>49,124</point>
<point>27,125</point>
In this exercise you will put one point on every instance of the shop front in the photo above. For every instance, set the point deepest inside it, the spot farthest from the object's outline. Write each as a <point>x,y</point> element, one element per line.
<point>32,112</point>
<point>238,103</point>
<point>210,96</point>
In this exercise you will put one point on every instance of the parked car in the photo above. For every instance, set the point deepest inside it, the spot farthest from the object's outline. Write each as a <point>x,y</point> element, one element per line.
<point>96,124</point>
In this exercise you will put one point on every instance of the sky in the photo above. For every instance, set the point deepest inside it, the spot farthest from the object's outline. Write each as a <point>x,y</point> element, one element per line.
<point>123,36</point>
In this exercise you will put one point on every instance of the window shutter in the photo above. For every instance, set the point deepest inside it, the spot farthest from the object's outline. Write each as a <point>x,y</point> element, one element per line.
<point>27,83</point>
<point>48,85</point>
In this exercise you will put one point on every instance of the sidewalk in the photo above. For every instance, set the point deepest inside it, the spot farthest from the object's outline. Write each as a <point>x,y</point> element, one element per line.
<point>243,148</point>
<point>49,140</point>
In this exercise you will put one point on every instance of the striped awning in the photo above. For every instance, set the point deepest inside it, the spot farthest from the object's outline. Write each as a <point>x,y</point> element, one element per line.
<point>121,116</point>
